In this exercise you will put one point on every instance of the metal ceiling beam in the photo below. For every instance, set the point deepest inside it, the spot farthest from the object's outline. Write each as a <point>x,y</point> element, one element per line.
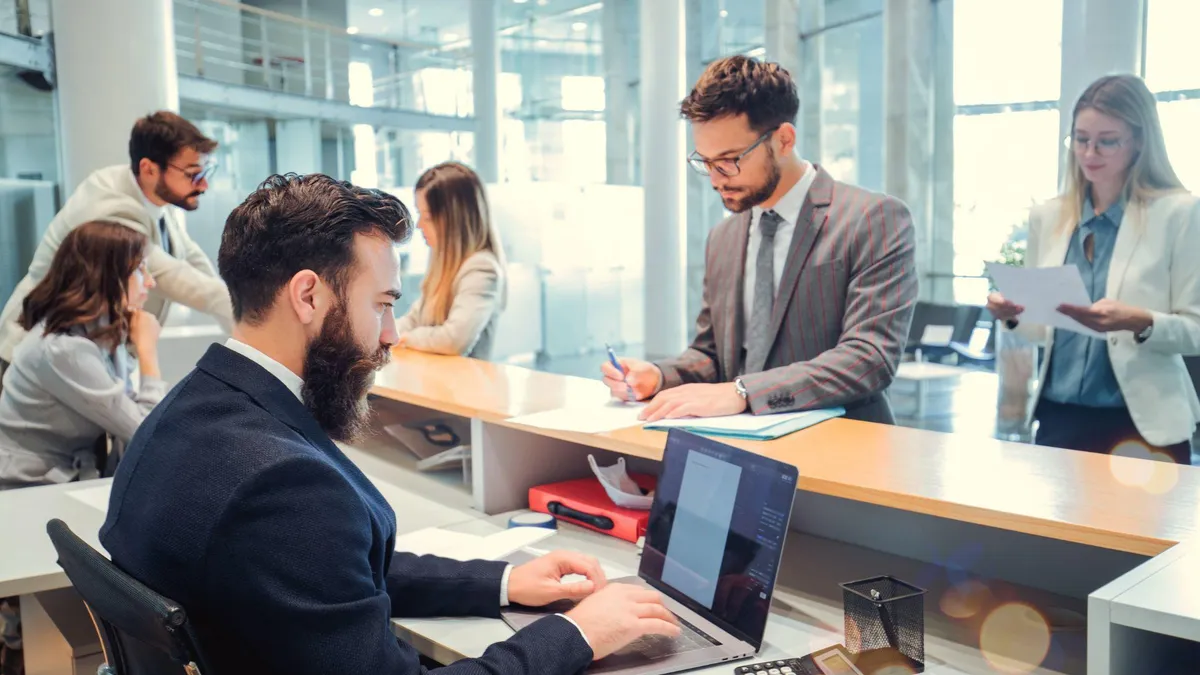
<point>278,105</point>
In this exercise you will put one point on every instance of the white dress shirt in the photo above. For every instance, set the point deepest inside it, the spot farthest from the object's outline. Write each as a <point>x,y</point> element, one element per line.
<point>788,208</point>
<point>295,384</point>
<point>292,381</point>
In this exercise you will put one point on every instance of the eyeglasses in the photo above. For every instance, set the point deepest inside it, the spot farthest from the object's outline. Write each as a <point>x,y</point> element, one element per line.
<point>726,166</point>
<point>197,175</point>
<point>1105,147</point>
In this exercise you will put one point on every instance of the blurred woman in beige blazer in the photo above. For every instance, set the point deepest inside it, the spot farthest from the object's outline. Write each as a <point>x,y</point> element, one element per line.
<point>1133,231</point>
<point>464,291</point>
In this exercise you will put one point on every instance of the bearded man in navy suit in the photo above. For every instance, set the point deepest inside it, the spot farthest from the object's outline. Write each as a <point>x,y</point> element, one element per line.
<point>234,501</point>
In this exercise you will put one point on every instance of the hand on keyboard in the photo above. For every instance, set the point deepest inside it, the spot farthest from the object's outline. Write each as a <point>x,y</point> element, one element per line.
<point>654,647</point>
<point>618,614</point>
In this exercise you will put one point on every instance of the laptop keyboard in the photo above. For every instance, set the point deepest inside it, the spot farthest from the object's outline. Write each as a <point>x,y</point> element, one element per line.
<point>655,647</point>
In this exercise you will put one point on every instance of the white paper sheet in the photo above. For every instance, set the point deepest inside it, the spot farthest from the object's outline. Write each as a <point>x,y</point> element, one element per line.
<point>459,546</point>
<point>434,541</point>
<point>1040,290</point>
<point>593,419</point>
<point>95,497</point>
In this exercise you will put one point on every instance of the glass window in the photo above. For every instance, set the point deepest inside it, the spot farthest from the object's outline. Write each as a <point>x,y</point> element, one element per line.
<point>362,86</point>
<point>852,101</point>
<point>28,136</point>
<point>366,165</point>
<point>584,151</point>
<point>1003,164</point>
<point>582,93</point>
<point>1180,120</point>
<point>449,91</point>
<point>1006,147</point>
<point>1171,45</point>
<point>444,91</point>
<point>1172,75</point>
<point>1007,51</point>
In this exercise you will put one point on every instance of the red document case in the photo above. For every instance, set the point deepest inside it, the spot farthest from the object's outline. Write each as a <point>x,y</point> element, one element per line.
<point>585,503</point>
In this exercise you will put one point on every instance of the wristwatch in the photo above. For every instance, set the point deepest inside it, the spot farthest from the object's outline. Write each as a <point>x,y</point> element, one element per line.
<point>740,387</point>
<point>1145,334</point>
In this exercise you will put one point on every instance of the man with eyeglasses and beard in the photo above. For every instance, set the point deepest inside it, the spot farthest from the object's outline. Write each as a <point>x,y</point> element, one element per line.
<point>809,287</point>
<point>168,171</point>
<point>234,501</point>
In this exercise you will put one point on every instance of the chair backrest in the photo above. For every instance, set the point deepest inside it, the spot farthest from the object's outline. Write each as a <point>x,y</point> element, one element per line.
<point>142,632</point>
<point>962,318</point>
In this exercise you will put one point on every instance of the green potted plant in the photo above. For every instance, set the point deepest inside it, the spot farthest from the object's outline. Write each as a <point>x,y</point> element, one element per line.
<point>1016,360</point>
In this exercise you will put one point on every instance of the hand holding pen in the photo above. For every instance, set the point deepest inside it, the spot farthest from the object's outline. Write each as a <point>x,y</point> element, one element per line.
<point>612,359</point>
<point>630,379</point>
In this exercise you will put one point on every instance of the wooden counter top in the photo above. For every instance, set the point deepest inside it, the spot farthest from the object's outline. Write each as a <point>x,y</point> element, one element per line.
<point>1109,502</point>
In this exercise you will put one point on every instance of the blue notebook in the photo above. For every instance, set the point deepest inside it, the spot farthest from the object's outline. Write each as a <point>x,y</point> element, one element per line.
<point>752,427</point>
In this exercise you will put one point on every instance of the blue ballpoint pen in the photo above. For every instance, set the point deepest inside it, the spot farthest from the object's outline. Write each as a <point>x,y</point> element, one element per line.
<point>612,358</point>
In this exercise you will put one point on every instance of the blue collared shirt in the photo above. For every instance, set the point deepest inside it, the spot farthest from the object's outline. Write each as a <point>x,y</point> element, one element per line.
<point>1080,371</point>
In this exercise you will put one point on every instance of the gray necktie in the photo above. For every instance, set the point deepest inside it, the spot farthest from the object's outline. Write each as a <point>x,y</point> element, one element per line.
<point>166,238</point>
<point>758,342</point>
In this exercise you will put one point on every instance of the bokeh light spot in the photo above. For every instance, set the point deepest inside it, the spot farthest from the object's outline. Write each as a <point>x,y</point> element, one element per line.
<point>1015,638</point>
<point>965,600</point>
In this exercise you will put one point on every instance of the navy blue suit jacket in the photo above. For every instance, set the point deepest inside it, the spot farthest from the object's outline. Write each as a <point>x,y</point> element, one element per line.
<point>232,501</point>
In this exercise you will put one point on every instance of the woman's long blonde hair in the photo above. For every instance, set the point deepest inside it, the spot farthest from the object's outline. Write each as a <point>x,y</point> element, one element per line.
<point>457,209</point>
<point>1124,97</point>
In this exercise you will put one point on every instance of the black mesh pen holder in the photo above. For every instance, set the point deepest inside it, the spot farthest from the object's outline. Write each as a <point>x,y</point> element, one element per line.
<point>885,623</point>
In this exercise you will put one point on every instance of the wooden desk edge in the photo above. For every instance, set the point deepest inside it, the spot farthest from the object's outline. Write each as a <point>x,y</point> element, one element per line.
<point>1025,524</point>
<point>436,405</point>
<point>1004,520</point>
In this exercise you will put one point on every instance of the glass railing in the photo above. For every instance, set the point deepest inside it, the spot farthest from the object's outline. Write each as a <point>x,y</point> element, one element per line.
<point>229,42</point>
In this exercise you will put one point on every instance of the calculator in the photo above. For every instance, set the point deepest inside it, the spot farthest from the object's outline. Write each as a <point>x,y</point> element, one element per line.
<point>832,661</point>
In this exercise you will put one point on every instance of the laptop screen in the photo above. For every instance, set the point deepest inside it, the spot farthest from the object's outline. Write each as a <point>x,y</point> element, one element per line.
<point>716,531</point>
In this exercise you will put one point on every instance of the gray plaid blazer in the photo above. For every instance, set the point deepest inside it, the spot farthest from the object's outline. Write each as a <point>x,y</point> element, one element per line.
<point>842,309</point>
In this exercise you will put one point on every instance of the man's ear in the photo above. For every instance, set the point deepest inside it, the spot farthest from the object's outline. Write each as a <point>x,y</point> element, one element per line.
<point>304,295</point>
<point>786,134</point>
<point>147,168</point>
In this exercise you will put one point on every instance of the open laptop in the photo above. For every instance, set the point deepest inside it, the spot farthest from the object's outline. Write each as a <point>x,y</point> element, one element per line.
<point>713,548</point>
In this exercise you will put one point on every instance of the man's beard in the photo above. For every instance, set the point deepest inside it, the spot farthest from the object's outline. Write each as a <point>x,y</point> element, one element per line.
<point>337,376</point>
<point>759,195</point>
<point>164,193</point>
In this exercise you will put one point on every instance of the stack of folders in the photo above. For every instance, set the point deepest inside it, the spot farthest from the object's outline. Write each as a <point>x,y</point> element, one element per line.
<point>751,427</point>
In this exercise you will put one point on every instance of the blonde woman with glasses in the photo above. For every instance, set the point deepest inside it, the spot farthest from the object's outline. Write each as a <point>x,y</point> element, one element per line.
<point>463,293</point>
<point>1133,231</point>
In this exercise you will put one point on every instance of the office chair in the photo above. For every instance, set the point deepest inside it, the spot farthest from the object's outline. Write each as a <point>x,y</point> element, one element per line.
<point>984,357</point>
<point>141,631</point>
<point>960,318</point>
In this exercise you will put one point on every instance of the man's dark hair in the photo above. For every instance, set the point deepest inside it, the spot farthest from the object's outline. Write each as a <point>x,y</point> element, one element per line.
<point>737,85</point>
<point>160,136</point>
<point>293,223</point>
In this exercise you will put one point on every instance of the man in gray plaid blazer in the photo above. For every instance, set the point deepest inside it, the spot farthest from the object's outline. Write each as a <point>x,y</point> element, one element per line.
<point>809,286</point>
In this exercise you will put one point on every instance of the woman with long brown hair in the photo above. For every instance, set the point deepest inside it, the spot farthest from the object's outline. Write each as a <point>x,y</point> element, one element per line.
<point>463,293</point>
<point>69,383</point>
<point>1131,228</point>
